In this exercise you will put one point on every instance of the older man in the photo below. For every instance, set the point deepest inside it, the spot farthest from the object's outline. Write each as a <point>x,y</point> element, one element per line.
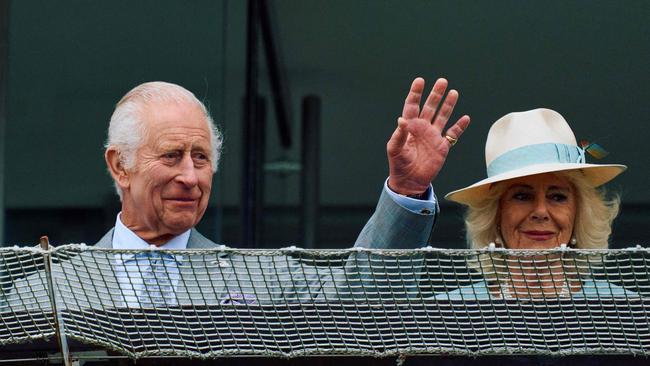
<point>162,151</point>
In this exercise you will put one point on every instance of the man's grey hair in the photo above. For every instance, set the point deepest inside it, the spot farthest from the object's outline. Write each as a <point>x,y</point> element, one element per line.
<point>126,130</point>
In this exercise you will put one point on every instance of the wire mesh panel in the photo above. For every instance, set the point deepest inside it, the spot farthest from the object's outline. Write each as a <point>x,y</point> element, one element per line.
<point>294,302</point>
<point>29,317</point>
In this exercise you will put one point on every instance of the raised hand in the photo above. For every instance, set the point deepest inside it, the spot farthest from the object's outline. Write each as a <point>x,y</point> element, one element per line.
<point>418,148</point>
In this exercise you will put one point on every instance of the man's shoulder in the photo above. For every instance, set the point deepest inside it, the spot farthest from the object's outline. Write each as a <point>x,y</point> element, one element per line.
<point>106,241</point>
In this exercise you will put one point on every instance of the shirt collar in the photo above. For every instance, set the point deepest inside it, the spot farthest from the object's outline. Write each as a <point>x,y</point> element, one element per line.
<point>124,238</point>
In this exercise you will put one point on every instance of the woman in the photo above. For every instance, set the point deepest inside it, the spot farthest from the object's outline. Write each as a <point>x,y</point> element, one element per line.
<point>540,194</point>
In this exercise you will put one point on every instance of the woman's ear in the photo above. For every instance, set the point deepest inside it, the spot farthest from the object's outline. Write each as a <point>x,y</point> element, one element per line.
<point>116,167</point>
<point>498,240</point>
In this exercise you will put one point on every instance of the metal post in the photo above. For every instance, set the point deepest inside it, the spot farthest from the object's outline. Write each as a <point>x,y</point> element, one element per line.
<point>277,77</point>
<point>254,148</point>
<point>4,81</point>
<point>310,188</point>
<point>59,329</point>
<point>251,124</point>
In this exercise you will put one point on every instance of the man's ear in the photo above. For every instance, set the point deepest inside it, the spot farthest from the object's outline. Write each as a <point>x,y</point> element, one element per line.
<point>116,167</point>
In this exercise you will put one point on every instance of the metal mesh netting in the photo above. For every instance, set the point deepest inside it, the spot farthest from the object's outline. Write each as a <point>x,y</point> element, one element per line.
<point>294,302</point>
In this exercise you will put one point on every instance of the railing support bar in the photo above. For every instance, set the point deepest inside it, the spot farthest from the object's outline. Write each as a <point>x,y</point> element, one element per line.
<point>59,329</point>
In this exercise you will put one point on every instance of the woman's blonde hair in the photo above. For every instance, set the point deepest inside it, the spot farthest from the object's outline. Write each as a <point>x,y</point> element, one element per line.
<point>592,226</point>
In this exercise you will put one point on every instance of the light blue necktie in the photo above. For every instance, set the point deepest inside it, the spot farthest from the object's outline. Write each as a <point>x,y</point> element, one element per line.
<point>157,289</point>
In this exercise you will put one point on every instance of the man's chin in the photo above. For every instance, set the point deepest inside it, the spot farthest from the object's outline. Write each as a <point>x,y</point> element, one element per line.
<point>180,225</point>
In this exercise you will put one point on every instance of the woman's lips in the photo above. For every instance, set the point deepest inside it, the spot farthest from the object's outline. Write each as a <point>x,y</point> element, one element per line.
<point>539,235</point>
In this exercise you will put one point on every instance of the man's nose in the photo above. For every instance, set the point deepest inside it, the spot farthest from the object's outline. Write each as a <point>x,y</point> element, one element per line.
<point>187,174</point>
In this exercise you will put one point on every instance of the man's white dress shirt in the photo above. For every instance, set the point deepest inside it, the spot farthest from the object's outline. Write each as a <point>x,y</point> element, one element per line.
<point>132,272</point>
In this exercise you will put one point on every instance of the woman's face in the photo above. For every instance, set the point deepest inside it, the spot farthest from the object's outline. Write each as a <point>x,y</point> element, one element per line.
<point>537,212</point>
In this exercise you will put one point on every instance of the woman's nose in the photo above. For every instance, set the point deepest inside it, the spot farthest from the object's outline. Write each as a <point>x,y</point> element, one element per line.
<point>540,210</point>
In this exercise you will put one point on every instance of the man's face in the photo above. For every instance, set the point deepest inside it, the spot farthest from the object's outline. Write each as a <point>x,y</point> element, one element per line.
<point>168,189</point>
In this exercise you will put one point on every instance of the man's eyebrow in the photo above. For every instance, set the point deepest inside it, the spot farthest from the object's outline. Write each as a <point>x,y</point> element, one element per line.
<point>167,147</point>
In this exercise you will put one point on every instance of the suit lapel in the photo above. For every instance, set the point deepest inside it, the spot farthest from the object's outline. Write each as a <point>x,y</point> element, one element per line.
<point>198,241</point>
<point>106,241</point>
<point>88,279</point>
<point>100,268</point>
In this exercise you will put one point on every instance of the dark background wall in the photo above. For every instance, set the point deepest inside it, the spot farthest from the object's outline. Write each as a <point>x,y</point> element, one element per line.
<point>70,61</point>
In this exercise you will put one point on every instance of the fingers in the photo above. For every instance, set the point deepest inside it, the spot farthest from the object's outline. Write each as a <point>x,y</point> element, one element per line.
<point>412,103</point>
<point>398,139</point>
<point>458,128</point>
<point>433,100</point>
<point>446,110</point>
<point>437,109</point>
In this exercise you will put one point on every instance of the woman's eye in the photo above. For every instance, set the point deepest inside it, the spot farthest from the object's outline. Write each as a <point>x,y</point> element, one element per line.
<point>521,196</point>
<point>559,197</point>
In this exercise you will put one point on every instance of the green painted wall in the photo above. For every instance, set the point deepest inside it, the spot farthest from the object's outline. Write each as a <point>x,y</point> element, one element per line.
<point>70,61</point>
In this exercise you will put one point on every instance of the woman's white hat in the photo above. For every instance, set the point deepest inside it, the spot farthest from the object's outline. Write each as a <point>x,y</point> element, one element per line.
<point>528,143</point>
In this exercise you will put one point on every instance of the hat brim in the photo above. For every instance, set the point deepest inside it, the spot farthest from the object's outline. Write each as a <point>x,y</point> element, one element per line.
<point>596,174</point>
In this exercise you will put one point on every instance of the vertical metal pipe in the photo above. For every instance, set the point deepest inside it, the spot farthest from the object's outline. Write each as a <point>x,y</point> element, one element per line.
<point>253,193</point>
<point>4,82</point>
<point>251,120</point>
<point>277,77</point>
<point>259,139</point>
<point>310,180</point>
<point>59,327</point>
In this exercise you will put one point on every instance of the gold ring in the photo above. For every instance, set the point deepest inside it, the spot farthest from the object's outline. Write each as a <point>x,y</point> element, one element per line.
<point>452,141</point>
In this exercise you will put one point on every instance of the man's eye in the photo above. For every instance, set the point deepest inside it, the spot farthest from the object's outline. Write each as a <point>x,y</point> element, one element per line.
<point>170,155</point>
<point>200,157</point>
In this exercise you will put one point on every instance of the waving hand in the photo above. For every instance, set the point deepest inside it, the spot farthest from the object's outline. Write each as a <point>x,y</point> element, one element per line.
<point>418,148</point>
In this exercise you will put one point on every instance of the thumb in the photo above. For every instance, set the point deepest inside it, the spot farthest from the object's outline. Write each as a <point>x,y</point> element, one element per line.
<point>398,139</point>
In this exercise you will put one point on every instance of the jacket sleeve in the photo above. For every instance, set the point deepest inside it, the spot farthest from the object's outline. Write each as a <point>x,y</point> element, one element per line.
<point>394,227</point>
<point>384,277</point>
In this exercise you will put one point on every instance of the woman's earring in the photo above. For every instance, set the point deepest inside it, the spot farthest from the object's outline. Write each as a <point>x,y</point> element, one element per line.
<point>574,241</point>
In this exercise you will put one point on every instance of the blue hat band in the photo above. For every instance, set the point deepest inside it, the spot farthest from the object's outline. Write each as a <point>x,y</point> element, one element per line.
<point>548,153</point>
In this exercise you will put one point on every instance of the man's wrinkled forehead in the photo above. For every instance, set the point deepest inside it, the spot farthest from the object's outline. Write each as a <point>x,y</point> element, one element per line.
<point>150,112</point>
<point>180,121</point>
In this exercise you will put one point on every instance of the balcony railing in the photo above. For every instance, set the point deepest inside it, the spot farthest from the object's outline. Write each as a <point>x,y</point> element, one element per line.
<point>295,302</point>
